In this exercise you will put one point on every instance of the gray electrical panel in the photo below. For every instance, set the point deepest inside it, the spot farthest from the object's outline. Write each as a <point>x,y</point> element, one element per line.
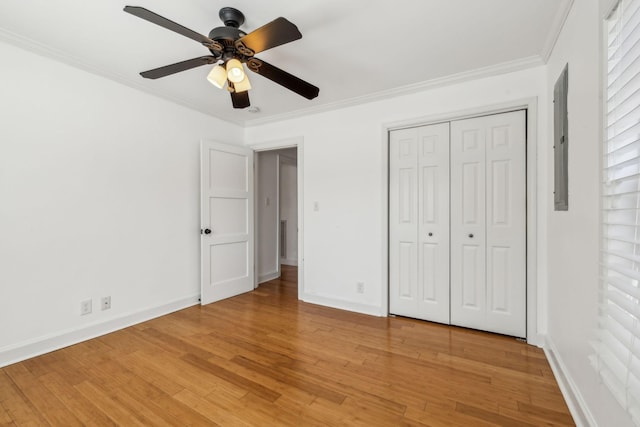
<point>561,142</point>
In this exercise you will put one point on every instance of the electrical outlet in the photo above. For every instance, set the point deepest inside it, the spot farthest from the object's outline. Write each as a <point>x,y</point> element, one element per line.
<point>105,303</point>
<point>360,287</point>
<point>85,307</point>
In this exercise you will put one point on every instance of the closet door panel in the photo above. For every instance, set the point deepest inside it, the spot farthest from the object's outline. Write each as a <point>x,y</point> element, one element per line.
<point>506,223</point>
<point>419,222</point>
<point>488,230</point>
<point>403,222</point>
<point>433,227</point>
<point>468,256</point>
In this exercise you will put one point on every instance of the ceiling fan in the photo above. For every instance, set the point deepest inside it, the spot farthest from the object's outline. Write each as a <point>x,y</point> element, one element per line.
<point>231,47</point>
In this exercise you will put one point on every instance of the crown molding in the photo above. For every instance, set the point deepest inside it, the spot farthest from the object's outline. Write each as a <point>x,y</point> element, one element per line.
<point>76,62</point>
<point>556,28</point>
<point>492,70</point>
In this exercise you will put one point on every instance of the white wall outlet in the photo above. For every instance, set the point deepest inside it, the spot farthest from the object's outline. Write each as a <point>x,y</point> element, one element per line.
<point>85,307</point>
<point>360,287</point>
<point>105,303</point>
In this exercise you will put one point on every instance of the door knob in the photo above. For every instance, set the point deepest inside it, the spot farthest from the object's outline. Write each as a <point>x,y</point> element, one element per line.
<point>430,234</point>
<point>471,236</point>
<point>207,231</point>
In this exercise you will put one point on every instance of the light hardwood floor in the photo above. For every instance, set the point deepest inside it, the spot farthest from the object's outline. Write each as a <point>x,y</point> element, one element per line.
<point>266,359</point>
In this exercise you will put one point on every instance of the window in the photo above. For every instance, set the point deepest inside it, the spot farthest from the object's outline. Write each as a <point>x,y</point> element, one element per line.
<point>617,348</point>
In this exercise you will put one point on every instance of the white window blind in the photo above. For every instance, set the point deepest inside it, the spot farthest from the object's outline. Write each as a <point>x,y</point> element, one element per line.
<point>617,348</point>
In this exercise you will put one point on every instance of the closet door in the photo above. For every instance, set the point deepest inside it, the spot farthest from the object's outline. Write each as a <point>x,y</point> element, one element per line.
<point>488,223</point>
<point>419,223</point>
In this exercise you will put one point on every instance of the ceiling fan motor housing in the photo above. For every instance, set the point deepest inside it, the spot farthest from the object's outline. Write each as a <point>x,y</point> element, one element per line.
<point>226,36</point>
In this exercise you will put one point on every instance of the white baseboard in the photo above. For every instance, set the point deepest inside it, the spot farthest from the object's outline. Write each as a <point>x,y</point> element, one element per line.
<point>269,276</point>
<point>577,406</point>
<point>371,310</point>
<point>26,350</point>
<point>292,262</point>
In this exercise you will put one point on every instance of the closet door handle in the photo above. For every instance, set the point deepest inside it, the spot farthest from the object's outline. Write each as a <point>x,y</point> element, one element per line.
<point>471,236</point>
<point>430,234</point>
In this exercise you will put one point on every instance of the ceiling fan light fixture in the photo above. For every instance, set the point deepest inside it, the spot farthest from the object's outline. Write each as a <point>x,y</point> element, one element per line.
<point>235,72</point>
<point>230,48</point>
<point>217,76</point>
<point>243,85</point>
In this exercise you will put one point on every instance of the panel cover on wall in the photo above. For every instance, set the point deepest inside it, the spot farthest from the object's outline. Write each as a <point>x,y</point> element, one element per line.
<point>561,142</point>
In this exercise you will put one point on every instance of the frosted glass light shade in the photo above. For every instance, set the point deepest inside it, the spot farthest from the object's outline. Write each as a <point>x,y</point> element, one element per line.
<point>235,72</point>
<point>217,76</point>
<point>243,85</point>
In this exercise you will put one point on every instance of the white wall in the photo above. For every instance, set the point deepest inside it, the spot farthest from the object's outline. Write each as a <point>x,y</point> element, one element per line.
<point>289,206</point>
<point>98,196</point>
<point>344,169</point>
<point>573,242</point>
<point>267,255</point>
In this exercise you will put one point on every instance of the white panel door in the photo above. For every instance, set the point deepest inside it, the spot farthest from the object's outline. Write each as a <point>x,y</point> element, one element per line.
<point>227,221</point>
<point>468,223</point>
<point>419,222</point>
<point>488,223</point>
<point>403,222</point>
<point>506,224</point>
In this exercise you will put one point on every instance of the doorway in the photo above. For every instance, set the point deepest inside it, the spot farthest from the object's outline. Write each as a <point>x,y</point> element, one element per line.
<point>276,212</point>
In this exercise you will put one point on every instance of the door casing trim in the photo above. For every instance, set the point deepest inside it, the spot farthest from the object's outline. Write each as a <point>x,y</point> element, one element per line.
<point>298,143</point>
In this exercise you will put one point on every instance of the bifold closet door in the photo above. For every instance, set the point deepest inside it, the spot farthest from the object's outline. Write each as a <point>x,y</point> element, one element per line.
<point>488,223</point>
<point>419,222</point>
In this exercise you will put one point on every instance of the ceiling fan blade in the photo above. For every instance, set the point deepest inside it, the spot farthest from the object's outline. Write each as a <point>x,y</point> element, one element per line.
<point>240,99</point>
<point>147,15</point>
<point>275,33</point>
<point>283,78</point>
<point>167,70</point>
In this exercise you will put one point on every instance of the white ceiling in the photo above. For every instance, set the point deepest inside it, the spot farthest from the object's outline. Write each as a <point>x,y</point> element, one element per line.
<point>353,50</point>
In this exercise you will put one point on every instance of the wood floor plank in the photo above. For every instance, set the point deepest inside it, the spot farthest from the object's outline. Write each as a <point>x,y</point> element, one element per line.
<point>491,416</point>
<point>132,393</point>
<point>232,377</point>
<point>291,379</point>
<point>78,404</point>
<point>189,376</point>
<point>364,387</point>
<point>5,418</point>
<point>101,399</point>
<point>269,381</point>
<point>254,410</point>
<point>209,409</point>
<point>137,363</point>
<point>545,414</point>
<point>265,358</point>
<point>16,405</point>
<point>46,404</point>
<point>436,416</point>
